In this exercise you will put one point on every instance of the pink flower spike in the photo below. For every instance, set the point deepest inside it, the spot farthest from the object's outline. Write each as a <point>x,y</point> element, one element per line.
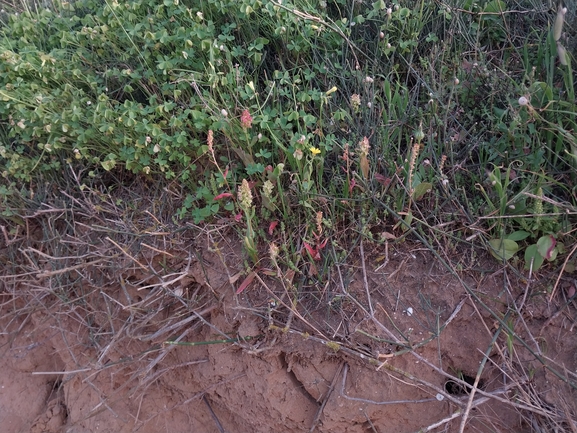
<point>245,119</point>
<point>238,217</point>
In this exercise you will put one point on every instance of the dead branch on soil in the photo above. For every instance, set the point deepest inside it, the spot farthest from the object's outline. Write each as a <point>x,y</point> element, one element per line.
<point>213,415</point>
<point>326,397</point>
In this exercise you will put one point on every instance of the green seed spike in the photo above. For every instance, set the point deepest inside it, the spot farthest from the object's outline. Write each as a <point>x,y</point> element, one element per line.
<point>559,20</point>
<point>562,52</point>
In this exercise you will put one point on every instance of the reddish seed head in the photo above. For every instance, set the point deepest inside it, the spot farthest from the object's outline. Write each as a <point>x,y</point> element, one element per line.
<point>245,119</point>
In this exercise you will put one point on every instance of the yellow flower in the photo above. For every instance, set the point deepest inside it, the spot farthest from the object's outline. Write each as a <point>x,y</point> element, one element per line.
<point>315,151</point>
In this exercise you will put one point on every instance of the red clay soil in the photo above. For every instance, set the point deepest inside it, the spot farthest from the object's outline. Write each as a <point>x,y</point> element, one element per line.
<point>98,361</point>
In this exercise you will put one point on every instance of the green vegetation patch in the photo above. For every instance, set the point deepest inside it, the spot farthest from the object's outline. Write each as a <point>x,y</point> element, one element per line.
<point>308,114</point>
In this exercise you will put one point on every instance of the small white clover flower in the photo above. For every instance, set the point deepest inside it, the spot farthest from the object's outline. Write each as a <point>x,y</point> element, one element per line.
<point>369,79</point>
<point>523,101</point>
<point>382,35</point>
<point>456,81</point>
<point>224,112</point>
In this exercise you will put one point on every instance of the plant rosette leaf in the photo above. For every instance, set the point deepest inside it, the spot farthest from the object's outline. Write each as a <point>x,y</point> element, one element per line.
<point>546,247</point>
<point>422,189</point>
<point>519,235</point>
<point>503,249</point>
<point>533,256</point>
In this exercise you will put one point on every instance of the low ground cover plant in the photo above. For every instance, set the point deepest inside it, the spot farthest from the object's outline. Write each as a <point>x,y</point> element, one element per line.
<point>271,113</point>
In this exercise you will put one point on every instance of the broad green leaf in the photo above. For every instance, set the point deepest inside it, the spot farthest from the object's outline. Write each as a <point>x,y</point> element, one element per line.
<point>421,189</point>
<point>546,247</point>
<point>519,235</point>
<point>531,254</point>
<point>503,249</point>
<point>495,6</point>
